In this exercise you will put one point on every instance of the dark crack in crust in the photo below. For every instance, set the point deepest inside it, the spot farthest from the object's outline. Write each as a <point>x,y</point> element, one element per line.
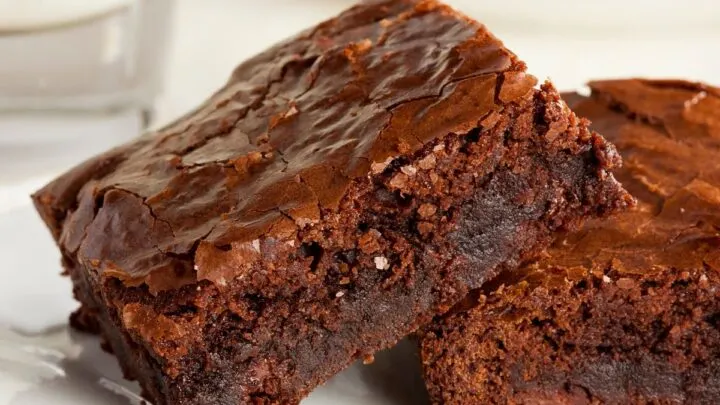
<point>322,205</point>
<point>625,310</point>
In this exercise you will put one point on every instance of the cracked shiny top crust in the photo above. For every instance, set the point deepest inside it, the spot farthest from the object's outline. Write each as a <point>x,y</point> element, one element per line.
<point>281,142</point>
<point>668,133</point>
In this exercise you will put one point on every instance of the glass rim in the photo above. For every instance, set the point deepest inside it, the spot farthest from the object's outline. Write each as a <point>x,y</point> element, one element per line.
<point>56,25</point>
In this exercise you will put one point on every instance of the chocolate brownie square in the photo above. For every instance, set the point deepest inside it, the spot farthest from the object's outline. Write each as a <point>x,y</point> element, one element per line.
<point>343,187</point>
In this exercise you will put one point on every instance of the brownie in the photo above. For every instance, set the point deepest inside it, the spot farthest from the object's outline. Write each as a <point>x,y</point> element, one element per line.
<point>343,187</point>
<point>623,311</point>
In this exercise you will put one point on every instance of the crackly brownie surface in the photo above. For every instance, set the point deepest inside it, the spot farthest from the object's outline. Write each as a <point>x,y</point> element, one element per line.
<point>341,189</point>
<point>624,311</point>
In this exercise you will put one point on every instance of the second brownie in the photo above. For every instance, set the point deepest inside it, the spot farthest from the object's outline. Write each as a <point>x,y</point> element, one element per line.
<point>623,311</point>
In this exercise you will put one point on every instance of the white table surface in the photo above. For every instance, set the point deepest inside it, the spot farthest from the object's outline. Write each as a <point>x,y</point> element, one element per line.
<point>213,35</point>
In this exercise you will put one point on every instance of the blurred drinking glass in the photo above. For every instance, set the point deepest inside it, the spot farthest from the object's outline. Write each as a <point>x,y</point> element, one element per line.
<point>92,55</point>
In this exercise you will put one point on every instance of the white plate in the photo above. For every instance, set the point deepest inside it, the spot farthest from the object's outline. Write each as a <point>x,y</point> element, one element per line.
<point>42,362</point>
